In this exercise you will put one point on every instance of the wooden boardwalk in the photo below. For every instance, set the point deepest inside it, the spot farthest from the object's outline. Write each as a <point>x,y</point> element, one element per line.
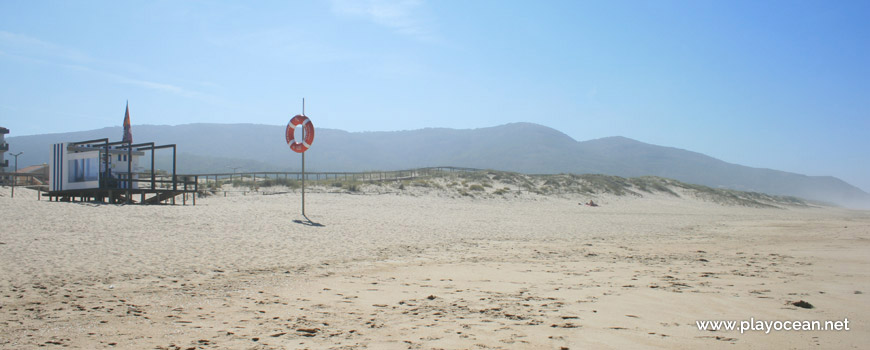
<point>165,188</point>
<point>391,175</point>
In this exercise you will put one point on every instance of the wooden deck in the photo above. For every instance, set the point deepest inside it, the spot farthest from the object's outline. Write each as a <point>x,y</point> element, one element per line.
<point>157,191</point>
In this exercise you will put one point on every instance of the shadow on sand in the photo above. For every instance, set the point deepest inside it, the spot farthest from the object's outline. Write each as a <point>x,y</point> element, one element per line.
<point>308,222</point>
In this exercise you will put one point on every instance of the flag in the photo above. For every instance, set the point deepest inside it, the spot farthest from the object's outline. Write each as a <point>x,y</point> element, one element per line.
<point>128,132</point>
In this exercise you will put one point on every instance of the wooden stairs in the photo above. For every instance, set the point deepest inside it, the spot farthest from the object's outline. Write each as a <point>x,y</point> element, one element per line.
<point>162,196</point>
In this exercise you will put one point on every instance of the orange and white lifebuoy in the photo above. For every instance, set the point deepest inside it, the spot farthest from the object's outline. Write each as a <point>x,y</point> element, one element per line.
<point>307,133</point>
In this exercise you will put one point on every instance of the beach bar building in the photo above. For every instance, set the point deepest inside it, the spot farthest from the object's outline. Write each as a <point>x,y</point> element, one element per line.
<point>84,166</point>
<point>99,170</point>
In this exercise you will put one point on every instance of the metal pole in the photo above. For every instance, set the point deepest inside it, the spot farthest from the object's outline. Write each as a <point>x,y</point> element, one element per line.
<point>174,181</point>
<point>153,186</point>
<point>14,178</point>
<point>129,171</point>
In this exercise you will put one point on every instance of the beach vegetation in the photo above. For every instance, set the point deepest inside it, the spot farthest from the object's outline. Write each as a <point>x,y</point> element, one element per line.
<point>476,187</point>
<point>291,183</point>
<point>352,186</point>
<point>469,183</point>
<point>501,191</point>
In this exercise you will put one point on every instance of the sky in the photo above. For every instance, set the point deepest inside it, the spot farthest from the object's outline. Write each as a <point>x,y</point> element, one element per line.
<point>771,84</point>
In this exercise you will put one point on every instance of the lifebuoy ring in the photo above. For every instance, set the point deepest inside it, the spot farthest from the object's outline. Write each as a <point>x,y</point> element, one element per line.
<point>307,133</point>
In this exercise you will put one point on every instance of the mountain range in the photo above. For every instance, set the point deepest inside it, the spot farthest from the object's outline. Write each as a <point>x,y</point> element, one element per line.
<point>519,147</point>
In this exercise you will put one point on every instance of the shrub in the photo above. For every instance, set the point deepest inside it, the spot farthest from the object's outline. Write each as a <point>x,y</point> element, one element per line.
<point>280,182</point>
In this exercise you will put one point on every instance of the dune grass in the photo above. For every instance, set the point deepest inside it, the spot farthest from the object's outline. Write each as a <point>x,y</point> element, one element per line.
<point>500,184</point>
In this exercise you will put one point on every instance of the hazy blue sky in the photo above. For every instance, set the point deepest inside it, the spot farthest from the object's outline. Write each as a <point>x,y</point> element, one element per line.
<point>775,84</point>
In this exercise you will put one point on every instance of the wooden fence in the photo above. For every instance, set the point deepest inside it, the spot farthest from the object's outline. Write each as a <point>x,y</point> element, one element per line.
<point>393,175</point>
<point>191,182</point>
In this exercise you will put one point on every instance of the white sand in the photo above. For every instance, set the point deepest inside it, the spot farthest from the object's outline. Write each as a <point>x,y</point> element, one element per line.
<point>425,271</point>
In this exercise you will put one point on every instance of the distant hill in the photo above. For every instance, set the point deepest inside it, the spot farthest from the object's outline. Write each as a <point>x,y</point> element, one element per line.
<point>520,147</point>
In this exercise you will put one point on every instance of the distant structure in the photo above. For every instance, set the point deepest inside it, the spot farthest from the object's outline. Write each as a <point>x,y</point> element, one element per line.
<point>4,163</point>
<point>36,175</point>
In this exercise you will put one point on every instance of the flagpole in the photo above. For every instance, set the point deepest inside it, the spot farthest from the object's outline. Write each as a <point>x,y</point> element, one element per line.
<point>129,151</point>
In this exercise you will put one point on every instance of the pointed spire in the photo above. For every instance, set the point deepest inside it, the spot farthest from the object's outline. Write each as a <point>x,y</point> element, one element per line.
<point>128,130</point>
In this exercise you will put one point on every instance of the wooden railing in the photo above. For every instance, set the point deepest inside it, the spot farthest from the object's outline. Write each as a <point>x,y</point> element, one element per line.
<point>390,175</point>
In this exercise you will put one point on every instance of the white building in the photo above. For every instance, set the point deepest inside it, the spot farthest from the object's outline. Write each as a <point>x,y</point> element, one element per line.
<point>78,167</point>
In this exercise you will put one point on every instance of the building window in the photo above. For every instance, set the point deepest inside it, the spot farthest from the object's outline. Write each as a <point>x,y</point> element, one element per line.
<point>81,170</point>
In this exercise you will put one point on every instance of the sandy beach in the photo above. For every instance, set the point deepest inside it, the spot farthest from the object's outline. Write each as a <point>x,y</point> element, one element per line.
<point>426,271</point>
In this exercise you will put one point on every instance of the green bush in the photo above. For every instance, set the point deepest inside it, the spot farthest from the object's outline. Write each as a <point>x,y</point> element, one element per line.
<point>269,182</point>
